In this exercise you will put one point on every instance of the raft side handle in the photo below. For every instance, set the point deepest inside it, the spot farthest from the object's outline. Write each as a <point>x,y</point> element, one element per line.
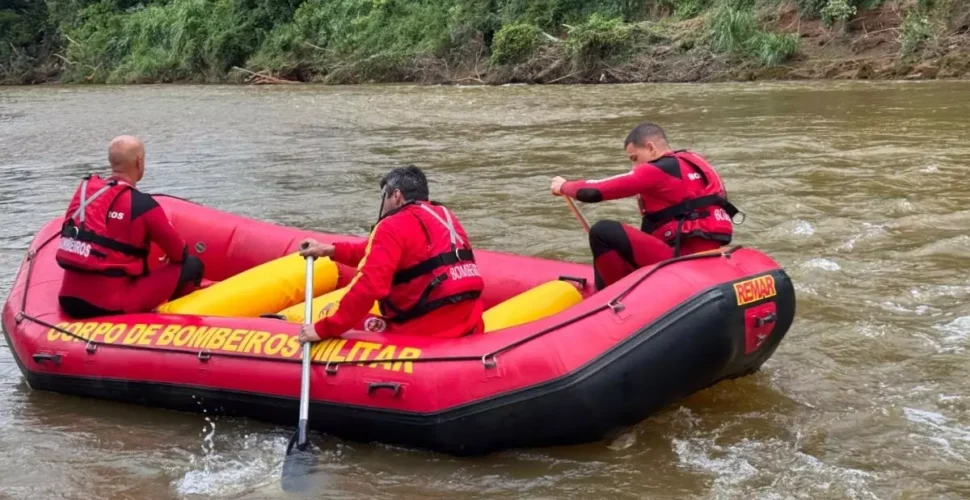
<point>19,318</point>
<point>91,347</point>
<point>579,281</point>
<point>616,306</point>
<point>331,368</point>
<point>41,357</point>
<point>490,360</point>
<point>764,320</point>
<point>376,386</point>
<point>205,355</point>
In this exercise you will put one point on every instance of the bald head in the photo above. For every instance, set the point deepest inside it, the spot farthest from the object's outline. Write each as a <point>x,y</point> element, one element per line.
<point>126,154</point>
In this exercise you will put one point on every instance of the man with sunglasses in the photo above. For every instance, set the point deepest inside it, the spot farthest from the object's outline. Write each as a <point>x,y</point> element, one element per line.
<point>417,264</point>
<point>682,200</point>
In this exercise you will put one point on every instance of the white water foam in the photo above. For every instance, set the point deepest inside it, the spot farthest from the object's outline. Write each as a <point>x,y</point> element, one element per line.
<point>958,332</point>
<point>212,474</point>
<point>803,228</point>
<point>623,441</point>
<point>952,438</point>
<point>823,264</point>
<point>919,310</point>
<point>869,231</point>
<point>740,468</point>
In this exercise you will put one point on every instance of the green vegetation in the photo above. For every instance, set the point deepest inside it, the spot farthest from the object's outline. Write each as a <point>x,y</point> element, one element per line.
<point>134,41</point>
<point>25,36</point>
<point>736,31</point>
<point>515,43</point>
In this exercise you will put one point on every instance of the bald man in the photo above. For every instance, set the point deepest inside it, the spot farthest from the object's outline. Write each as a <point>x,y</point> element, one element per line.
<point>108,230</point>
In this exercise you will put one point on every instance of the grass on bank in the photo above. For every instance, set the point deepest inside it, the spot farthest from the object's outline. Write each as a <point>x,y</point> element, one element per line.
<point>128,41</point>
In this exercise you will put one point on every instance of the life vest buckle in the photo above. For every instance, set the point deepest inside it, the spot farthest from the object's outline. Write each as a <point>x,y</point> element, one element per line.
<point>437,281</point>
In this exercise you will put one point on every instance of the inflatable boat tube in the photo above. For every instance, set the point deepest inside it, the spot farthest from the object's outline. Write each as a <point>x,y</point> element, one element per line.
<point>572,375</point>
<point>295,313</point>
<point>532,305</point>
<point>264,289</point>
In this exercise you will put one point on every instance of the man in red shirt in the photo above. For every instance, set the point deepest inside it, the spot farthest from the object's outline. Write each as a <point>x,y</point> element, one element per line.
<point>682,201</point>
<point>417,264</point>
<point>107,232</point>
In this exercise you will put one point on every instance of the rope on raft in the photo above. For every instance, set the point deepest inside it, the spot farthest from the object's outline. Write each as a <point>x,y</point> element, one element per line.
<point>488,359</point>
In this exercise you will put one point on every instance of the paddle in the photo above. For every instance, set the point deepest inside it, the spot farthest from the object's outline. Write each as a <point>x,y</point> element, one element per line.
<point>299,457</point>
<point>579,215</point>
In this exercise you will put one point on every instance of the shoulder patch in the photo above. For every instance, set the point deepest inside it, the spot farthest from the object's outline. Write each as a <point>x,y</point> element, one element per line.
<point>141,203</point>
<point>669,165</point>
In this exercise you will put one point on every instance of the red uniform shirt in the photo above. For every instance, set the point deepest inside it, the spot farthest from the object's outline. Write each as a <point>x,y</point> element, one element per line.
<point>665,182</point>
<point>133,217</point>
<point>398,242</point>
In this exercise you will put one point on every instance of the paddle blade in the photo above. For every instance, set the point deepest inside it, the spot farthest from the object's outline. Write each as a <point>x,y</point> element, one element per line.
<point>298,465</point>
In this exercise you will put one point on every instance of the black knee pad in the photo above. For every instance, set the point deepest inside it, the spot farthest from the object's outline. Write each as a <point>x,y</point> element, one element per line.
<point>604,236</point>
<point>192,271</point>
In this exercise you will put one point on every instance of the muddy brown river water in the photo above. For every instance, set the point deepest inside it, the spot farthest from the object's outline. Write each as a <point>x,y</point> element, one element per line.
<point>861,190</point>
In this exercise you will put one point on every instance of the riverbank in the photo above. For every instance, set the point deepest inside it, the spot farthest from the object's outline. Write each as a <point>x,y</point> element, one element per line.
<point>472,41</point>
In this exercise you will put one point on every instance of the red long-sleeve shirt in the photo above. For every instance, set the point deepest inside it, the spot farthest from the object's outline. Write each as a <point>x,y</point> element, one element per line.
<point>657,185</point>
<point>639,180</point>
<point>148,224</point>
<point>397,242</point>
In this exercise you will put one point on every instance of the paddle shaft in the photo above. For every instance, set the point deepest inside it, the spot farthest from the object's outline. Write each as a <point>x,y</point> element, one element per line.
<point>305,378</point>
<point>579,215</point>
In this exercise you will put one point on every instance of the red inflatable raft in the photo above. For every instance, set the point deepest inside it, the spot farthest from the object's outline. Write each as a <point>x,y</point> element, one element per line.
<point>609,361</point>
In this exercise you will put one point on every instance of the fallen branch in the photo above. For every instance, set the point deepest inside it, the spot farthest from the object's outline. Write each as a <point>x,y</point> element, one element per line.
<point>263,77</point>
<point>574,73</point>
<point>550,37</point>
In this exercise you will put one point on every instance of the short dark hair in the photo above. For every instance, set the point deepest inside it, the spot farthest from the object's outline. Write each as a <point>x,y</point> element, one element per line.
<point>410,180</point>
<point>642,132</point>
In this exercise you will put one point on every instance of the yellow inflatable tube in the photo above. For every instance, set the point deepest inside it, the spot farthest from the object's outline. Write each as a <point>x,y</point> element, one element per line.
<point>263,289</point>
<point>295,313</point>
<point>532,305</point>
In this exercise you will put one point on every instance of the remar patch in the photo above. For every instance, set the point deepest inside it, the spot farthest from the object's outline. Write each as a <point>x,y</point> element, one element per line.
<point>755,289</point>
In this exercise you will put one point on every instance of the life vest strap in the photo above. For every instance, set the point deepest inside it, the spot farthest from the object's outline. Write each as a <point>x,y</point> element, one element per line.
<point>447,222</point>
<point>424,267</point>
<point>425,307</point>
<point>76,233</point>
<point>111,273</point>
<point>84,201</point>
<point>684,209</point>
